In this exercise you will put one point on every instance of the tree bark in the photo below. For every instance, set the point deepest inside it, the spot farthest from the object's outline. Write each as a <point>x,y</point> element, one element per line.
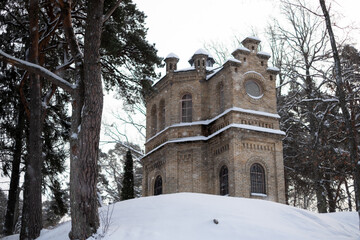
<point>350,131</point>
<point>84,211</point>
<point>32,210</point>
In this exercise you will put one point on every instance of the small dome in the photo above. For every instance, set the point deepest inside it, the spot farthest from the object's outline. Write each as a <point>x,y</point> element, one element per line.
<point>210,60</point>
<point>202,51</point>
<point>172,55</point>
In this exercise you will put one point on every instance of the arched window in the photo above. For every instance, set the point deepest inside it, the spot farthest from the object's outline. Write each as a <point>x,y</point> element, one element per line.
<point>162,114</point>
<point>158,185</point>
<point>153,120</point>
<point>221,97</point>
<point>224,180</point>
<point>186,108</point>
<point>257,178</point>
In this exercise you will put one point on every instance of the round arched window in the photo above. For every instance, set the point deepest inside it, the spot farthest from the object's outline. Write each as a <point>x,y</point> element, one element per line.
<point>253,89</point>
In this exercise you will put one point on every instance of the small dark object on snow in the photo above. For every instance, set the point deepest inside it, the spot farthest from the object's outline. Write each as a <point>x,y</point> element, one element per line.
<point>216,221</point>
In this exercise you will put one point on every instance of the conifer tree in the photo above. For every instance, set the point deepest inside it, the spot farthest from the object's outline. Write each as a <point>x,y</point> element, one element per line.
<point>127,191</point>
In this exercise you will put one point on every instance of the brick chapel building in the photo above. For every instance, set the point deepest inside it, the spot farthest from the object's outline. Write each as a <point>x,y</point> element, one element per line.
<point>215,130</point>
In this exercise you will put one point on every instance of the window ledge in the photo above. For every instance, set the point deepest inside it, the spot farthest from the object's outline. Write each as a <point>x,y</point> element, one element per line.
<point>258,194</point>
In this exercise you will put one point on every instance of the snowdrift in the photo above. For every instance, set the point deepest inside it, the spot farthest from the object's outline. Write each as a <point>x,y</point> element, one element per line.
<point>194,216</point>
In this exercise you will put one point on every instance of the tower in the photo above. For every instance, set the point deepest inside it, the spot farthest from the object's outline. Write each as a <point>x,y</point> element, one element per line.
<point>215,130</point>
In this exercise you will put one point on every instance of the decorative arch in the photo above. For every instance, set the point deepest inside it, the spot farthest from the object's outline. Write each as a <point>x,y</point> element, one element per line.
<point>221,96</point>
<point>153,120</point>
<point>186,108</point>
<point>162,114</point>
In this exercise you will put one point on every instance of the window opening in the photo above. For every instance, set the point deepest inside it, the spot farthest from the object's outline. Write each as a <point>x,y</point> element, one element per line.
<point>224,181</point>
<point>158,186</point>
<point>186,108</point>
<point>257,177</point>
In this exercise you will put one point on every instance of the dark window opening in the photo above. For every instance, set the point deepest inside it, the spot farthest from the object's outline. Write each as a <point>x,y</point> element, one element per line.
<point>171,66</point>
<point>158,186</point>
<point>244,59</point>
<point>224,181</point>
<point>262,63</point>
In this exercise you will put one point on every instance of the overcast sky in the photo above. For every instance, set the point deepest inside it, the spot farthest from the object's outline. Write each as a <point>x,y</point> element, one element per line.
<point>184,26</point>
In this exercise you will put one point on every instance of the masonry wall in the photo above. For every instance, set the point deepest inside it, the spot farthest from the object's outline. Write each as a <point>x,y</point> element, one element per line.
<point>194,166</point>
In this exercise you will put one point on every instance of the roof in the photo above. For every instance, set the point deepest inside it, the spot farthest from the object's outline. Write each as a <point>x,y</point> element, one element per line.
<point>172,55</point>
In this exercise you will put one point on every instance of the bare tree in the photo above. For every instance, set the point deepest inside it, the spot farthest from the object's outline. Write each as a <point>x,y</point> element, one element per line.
<point>350,125</point>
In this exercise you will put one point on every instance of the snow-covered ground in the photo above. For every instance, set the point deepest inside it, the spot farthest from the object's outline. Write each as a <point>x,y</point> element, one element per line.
<point>191,216</point>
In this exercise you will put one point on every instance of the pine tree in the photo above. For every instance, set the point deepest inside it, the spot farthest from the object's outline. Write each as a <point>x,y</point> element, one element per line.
<point>127,191</point>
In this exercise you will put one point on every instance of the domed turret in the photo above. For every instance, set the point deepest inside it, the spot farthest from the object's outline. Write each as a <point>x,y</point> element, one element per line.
<point>171,62</point>
<point>201,59</point>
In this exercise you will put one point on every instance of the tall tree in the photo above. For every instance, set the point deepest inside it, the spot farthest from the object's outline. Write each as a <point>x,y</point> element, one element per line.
<point>350,125</point>
<point>129,51</point>
<point>31,223</point>
<point>303,38</point>
<point>127,191</point>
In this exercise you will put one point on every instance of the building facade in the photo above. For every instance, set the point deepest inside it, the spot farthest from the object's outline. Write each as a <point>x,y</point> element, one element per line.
<point>215,130</point>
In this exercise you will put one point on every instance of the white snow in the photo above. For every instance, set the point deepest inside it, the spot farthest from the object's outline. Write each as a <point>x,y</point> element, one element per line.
<point>241,48</point>
<point>39,70</point>
<point>185,70</point>
<point>207,122</point>
<point>201,51</point>
<point>264,54</point>
<point>256,97</point>
<point>204,138</point>
<point>213,73</point>
<point>191,216</point>
<point>172,55</point>
<point>254,38</point>
<point>233,60</point>
<point>275,69</point>
<point>74,136</point>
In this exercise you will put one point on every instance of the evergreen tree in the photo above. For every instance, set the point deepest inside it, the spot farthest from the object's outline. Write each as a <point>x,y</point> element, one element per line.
<point>74,49</point>
<point>127,190</point>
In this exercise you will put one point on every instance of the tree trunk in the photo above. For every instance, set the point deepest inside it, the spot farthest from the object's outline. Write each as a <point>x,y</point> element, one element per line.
<point>84,212</point>
<point>32,215</point>
<point>352,145</point>
<point>10,217</point>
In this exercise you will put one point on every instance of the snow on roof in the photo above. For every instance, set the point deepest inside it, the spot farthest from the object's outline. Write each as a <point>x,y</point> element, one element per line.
<point>264,53</point>
<point>241,48</point>
<point>274,69</point>
<point>233,60</point>
<point>185,69</point>
<point>207,122</point>
<point>204,138</point>
<point>215,71</point>
<point>202,51</point>
<point>172,55</point>
<point>253,38</point>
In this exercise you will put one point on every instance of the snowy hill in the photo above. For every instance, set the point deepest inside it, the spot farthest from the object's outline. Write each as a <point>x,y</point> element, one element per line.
<point>191,216</point>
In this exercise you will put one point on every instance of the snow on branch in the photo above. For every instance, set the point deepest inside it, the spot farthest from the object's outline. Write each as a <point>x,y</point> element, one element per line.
<point>37,69</point>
